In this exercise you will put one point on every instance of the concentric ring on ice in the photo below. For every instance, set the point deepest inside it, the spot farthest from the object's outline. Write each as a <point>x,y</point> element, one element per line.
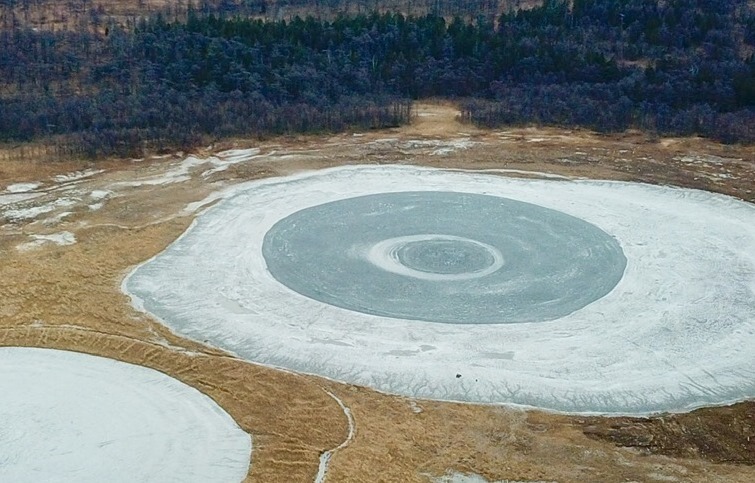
<point>393,255</point>
<point>677,331</point>
<point>71,417</point>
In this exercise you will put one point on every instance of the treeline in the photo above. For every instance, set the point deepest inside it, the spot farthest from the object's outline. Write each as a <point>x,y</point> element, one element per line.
<point>165,86</point>
<point>684,67</point>
<point>674,67</point>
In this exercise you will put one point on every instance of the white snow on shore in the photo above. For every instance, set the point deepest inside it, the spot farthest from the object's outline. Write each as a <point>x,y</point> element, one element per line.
<point>455,477</point>
<point>439,147</point>
<point>178,173</point>
<point>22,187</point>
<point>27,213</point>
<point>63,238</point>
<point>98,195</point>
<point>10,199</point>
<point>71,417</point>
<point>538,174</point>
<point>676,333</point>
<point>181,171</point>
<point>77,175</point>
<point>225,159</point>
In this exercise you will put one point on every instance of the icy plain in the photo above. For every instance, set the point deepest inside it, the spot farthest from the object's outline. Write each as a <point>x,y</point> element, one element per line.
<point>676,332</point>
<point>72,417</point>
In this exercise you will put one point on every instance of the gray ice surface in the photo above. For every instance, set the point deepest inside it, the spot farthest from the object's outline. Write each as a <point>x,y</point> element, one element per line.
<point>425,256</point>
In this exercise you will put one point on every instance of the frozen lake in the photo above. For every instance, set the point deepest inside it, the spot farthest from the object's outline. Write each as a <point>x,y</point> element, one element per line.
<point>72,417</point>
<point>584,296</point>
<point>440,256</point>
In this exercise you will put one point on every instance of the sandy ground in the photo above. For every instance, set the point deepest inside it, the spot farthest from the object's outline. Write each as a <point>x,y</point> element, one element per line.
<point>63,291</point>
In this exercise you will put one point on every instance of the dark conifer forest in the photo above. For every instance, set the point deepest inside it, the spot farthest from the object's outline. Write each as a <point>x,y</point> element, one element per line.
<point>677,67</point>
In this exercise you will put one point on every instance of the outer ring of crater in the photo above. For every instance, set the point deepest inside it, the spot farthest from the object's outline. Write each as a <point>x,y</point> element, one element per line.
<point>653,344</point>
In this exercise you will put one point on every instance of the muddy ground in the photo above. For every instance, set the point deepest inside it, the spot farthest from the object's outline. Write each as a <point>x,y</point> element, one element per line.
<point>64,292</point>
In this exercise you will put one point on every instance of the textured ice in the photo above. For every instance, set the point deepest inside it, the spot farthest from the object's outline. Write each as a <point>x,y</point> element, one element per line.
<point>676,332</point>
<point>445,257</point>
<point>71,417</point>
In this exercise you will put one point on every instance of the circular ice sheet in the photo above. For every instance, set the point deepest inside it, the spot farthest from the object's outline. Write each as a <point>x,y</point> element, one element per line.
<point>71,417</point>
<point>440,256</point>
<point>675,333</point>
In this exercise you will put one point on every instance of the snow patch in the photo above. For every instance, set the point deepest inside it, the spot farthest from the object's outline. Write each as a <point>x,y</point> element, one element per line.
<point>22,187</point>
<point>99,194</point>
<point>54,220</point>
<point>17,198</point>
<point>539,174</point>
<point>705,159</point>
<point>62,238</point>
<point>77,175</point>
<point>178,174</point>
<point>439,147</point>
<point>455,477</point>
<point>225,159</point>
<point>416,408</point>
<point>21,214</point>
<point>238,155</point>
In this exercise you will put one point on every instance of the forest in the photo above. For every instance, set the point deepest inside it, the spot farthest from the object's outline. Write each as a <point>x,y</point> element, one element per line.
<point>678,67</point>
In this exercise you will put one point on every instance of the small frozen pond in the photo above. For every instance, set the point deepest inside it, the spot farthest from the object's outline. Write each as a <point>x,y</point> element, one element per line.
<point>71,417</point>
<point>576,296</point>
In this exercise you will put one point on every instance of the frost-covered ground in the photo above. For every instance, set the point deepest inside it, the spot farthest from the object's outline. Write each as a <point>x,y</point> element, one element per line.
<point>677,331</point>
<point>71,417</point>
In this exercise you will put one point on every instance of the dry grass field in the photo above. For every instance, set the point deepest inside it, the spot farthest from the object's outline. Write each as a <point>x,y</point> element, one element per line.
<point>122,212</point>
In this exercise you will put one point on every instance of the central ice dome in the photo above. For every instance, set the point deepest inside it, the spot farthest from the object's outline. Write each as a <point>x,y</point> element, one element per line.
<point>444,256</point>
